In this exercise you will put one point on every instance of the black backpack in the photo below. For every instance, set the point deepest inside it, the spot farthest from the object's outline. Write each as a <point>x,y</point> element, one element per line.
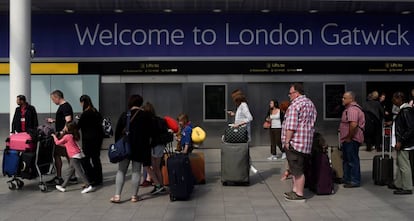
<point>162,135</point>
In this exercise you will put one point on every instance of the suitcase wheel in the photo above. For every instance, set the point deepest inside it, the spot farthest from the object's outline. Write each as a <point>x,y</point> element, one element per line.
<point>172,198</point>
<point>12,185</point>
<point>43,187</point>
<point>19,184</point>
<point>224,183</point>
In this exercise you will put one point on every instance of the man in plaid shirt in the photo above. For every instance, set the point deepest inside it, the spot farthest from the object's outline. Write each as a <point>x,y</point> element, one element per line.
<point>297,136</point>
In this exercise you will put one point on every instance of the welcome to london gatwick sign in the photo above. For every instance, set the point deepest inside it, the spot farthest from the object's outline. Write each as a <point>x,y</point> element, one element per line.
<point>154,35</point>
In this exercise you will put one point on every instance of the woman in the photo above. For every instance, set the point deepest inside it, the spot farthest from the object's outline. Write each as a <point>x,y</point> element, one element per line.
<point>157,152</point>
<point>139,137</point>
<point>275,117</point>
<point>90,124</point>
<point>242,117</point>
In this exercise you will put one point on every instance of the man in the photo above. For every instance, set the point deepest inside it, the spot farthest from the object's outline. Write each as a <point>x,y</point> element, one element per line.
<point>25,116</point>
<point>403,129</point>
<point>297,136</point>
<point>373,122</point>
<point>351,137</point>
<point>64,114</point>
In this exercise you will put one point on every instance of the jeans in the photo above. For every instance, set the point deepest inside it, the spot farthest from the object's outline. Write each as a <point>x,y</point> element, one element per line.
<point>135,176</point>
<point>351,164</point>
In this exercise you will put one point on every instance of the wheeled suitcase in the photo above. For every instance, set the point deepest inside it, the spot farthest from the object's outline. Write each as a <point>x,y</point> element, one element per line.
<point>337,164</point>
<point>197,163</point>
<point>383,165</point>
<point>27,165</point>
<point>20,141</point>
<point>11,160</point>
<point>322,175</point>
<point>235,163</point>
<point>180,176</point>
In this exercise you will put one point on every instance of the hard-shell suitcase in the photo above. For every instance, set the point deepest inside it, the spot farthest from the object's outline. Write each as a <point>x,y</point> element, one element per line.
<point>337,164</point>
<point>197,163</point>
<point>20,141</point>
<point>180,176</point>
<point>11,159</point>
<point>27,165</point>
<point>235,163</point>
<point>322,175</point>
<point>383,165</point>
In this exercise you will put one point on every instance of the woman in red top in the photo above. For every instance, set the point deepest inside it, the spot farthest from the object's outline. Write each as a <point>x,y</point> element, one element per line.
<point>69,141</point>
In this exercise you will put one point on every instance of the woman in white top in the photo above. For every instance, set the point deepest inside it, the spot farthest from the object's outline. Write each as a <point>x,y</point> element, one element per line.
<point>242,117</point>
<point>275,117</point>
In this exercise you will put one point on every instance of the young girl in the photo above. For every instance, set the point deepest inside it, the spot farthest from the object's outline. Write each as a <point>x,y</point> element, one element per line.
<point>68,140</point>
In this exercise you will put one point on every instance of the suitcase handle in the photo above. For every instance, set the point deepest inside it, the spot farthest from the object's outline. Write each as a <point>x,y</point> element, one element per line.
<point>23,166</point>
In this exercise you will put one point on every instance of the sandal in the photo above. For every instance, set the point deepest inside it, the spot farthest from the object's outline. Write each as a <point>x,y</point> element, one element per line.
<point>135,199</point>
<point>115,199</point>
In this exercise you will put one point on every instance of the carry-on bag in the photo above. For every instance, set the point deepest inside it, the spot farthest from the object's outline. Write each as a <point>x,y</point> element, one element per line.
<point>235,163</point>
<point>20,141</point>
<point>322,175</point>
<point>180,176</point>
<point>383,165</point>
<point>11,159</point>
<point>197,163</point>
<point>337,163</point>
<point>236,135</point>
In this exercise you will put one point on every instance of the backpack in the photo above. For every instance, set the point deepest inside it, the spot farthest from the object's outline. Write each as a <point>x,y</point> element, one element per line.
<point>107,127</point>
<point>371,122</point>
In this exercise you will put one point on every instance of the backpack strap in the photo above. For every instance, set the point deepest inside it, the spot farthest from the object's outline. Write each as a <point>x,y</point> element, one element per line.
<point>362,110</point>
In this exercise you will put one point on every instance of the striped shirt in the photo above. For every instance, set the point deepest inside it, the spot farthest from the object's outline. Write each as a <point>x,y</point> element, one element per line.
<point>300,117</point>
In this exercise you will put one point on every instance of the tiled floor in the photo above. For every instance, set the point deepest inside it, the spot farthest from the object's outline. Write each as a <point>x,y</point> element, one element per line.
<point>262,200</point>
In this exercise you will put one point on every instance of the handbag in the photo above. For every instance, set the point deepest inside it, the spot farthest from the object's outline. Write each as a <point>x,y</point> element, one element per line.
<point>236,135</point>
<point>121,149</point>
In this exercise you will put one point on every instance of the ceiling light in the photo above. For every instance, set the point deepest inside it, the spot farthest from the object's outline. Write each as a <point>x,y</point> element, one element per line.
<point>313,11</point>
<point>69,11</point>
<point>360,11</point>
<point>265,10</point>
<point>405,12</point>
<point>118,10</point>
<point>216,10</point>
<point>167,10</point>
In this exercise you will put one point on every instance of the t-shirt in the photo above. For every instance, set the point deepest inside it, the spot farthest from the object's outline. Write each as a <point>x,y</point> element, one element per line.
<point>64,110</point>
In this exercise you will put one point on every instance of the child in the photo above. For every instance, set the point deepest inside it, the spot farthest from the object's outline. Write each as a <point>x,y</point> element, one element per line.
<point>186,130</point>
<point>68,140</point>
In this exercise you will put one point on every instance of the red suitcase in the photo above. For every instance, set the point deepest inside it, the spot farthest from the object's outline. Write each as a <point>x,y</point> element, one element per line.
<point>20,141</point>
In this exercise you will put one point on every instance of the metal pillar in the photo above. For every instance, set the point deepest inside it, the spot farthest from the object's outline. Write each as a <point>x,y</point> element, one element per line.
<point>20,56</point>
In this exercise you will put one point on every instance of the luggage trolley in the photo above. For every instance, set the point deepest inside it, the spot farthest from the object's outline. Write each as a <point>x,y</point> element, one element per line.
<point>43,163</point>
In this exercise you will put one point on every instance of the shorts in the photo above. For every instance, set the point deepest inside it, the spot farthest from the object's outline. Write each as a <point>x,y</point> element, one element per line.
<point>158,151</point>
<point>60,151</point>
<point>296,161</point>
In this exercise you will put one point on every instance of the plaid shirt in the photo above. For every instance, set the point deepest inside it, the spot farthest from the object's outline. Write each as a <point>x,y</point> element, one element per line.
<point>300,117</point>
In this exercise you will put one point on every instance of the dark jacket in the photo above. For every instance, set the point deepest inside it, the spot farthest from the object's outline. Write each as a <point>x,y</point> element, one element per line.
<point>140,135</point>
<point>404,127</point>
<point>376,108</point>
<point>90,125</point>
<point>30,117</point>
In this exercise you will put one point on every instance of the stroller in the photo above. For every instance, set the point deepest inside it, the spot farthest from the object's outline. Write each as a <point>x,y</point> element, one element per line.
<point>29,163</point>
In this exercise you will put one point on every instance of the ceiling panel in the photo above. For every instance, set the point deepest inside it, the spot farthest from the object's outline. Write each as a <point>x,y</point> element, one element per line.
<point>230,6</point>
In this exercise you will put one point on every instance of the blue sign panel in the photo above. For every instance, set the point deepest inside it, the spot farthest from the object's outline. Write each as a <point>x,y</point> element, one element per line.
<point>189,35</point>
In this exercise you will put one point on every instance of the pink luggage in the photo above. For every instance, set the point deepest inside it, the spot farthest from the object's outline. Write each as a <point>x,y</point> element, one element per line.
<point>20,141</point>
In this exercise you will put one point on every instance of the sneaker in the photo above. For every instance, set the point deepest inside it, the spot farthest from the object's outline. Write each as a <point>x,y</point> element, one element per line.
<point>55,181</point>
<point>157,190</point>
<point>272,157</point>
<point>295,198</point>
<point>60,188</point>
<point>88,189</point>
<point>283,156</point>
<point>73,180</point>
<point>403,192</point>
<point>289,194</point>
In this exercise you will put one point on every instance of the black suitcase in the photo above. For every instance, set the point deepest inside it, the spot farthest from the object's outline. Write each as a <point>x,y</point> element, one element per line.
<point>235,164</point>
<point>383,165</point>
<point>27,165</point>
<point>180,176</point>
<point>412,163</point>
